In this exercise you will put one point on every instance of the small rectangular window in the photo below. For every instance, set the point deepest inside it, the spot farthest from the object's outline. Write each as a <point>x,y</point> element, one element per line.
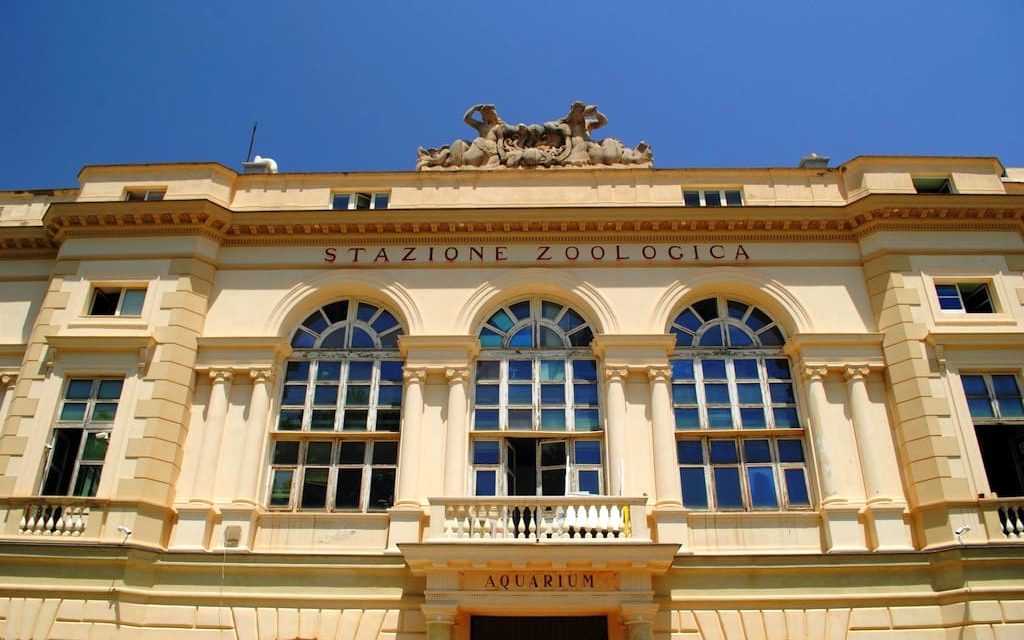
<point>141,195</point>
<point>964,297</point>
<point>932,184</point>
<point>360,200</point>
<point>116,301</point>
<point>713,197</point>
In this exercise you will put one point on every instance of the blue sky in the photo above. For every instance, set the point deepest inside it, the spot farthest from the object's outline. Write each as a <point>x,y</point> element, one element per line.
<point>356,86</point>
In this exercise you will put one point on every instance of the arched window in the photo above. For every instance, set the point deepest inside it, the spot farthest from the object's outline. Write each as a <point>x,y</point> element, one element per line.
<point>536,421</point>
<point>335,444</point>
<point>740,443</point>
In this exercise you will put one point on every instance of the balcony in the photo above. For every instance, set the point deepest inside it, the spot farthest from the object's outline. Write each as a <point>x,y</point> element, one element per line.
<point>557,519</point>
<point>1004,518</point>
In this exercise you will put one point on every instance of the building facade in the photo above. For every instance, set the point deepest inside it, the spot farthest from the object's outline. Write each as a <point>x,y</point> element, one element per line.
<point>600,401</point>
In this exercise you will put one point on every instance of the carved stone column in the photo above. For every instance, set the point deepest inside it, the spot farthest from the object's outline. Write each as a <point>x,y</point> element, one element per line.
<point>639,620</point>
<point>616,420</point>
<point>860,408</point>
<point>456,433</point>
<point>827,480</point>
<point>409,447</point>
<point>440,621</point>
<point>666,469</point>
<point>203,487</point>
<point>255,435</point>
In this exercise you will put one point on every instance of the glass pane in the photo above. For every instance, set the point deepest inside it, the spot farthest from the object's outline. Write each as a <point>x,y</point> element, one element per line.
<point>683,339</point>
<point>771,337</point>
<point>717,393</point>
<point>552,454</point>
<point>950,304</point>
<point>695,493</point>
<point>352,452</point>
<point>796,488</point>
<point>589,481</point>
<point>739,338</point>
<point>109,389</point>
<point>340,201</point>
<point>365,311</point>
<point>586,420</point>
<point>290,420</point>
<point>745,369</point>
<point>791,451</point>
<point>357,395</point>
<point>360,371</point>
<point>520,419</point>
<point>974,385</point>
<point>753,418</point>
<point>391,371</point>
<point>297,371</point>
<point>707,308</point>
<point>777,368</point>
<point>104,411</point>
<point>336,311</point>
<point>720,418</point>
<point>552,394</point>
<point>88,480</point>
<point>355,420</point>
<point>73,412</point>
<point>314,489</point>
<point>689,320</point>
<point>521,310</point>
<point>552,419</point>
<point>687,419</point>
<point>486,419</point>
<point>488,370</point>
<point>321,420</point>
<point>736,308</point>
<point>713,369</point>
<point>552,370</point>
<point>712,199</point>
<point>588,452</point>
<point>383,322</point>
<point>571,320</point>
<point>95,448</point>
<point>758,319</point>
<point>489,339</point>
<point>550,339</point>
<point>520,370</point>
<point>684,394</point>
<point>980,408</point>
<point>750,393</point>
<point>337,339</point>
<point>286,452</point>
<point>486,452</point>
<point>712,338</point>
<point>523,339</point>
<point>78,389</point>
<point>281,487</point>
<point>976,298</point>
<point>382,489</point>
<point>690,452</point>
<point>584,370</point>
<point>486,484</point>
<point>682,369</point>
<point>550,310</point>
<point>584,393</point>
<point>380,201</point>
<point>389,396</point>
<point>487,394</point>
<point>756,451</point>
<point>318,453</point>
<point>733,198</point>
<point>294,394</point>
<point>385,453</point>
<point>501,320</point>
<point>325,394</point>
<point>520,394</point>
<point>316,322</point>
<point>1011,408</point>
<point>723,452</point>
<point>762,487</point>
<point>582,338</point>
<point>782,392</point>
<point>302,340</point>
<point>691,198</point>
<point>1003,385</point>
<point>350,483</point>
<point>946,291</point>
<point>552,482</point>
<point>785,418</point>
<point>388,420</point>
<point>361,339</point>
<point>390,340</point>
<point>727,488</point>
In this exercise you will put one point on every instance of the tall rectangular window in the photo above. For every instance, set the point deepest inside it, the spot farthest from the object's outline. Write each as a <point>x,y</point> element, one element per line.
<point>79,444</point>
<point>997,410</point>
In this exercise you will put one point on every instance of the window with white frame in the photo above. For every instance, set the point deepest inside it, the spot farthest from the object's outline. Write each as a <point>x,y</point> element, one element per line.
<point>997,410</point>
<point>964,297</point>
<point>713,197</point>
<point>360,200</point>
<point>141,195</point>
<point>740,444</point>
<point>335,444</point>
<point>79,444</point>
<point>117,301</point>
<point>536,418</point>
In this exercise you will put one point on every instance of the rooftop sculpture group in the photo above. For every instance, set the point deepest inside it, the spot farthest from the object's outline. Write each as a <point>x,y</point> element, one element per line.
<point>565,142</point>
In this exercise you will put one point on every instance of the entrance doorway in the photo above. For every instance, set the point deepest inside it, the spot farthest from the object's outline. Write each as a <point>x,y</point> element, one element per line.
<point>538,628</point>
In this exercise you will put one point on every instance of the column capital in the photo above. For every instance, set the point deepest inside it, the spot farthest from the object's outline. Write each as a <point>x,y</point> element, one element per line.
<point>616,374</point>
<point>855,372</point>
<point>659,374</point>
<point>262,374</point>
<point>414,374</point>
<point>814,372</point>
<point>221,375</point>
<point>455,375</point>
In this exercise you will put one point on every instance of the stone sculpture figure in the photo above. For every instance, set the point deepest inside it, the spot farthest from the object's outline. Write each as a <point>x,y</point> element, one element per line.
<point>566,142</point>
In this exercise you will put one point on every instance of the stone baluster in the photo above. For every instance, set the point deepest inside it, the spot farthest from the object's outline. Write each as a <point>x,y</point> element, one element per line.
<point>456,434</point>
<point>203,487</point>
<point>616,418</point>
<point>255,436</point>
<point>407,494</point>
<point>666,469</point>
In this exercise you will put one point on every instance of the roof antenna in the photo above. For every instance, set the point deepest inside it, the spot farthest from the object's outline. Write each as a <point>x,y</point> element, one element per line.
<point>252,139</point>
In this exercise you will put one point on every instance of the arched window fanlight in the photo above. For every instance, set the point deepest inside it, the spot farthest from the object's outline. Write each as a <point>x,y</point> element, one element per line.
<point>348,324</point>
<point>718,322</point>
<point>535,324</point>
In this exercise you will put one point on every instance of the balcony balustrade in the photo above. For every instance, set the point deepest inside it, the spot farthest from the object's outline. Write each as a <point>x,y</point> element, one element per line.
<point>539,519</point>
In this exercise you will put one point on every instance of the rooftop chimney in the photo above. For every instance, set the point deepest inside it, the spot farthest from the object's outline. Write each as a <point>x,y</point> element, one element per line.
<point>813,161</point>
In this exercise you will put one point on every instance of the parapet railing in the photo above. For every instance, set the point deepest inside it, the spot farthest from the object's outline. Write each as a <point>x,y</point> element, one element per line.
<point>55,516</point>
<point>539,518</point>
<point>1004,518</point>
